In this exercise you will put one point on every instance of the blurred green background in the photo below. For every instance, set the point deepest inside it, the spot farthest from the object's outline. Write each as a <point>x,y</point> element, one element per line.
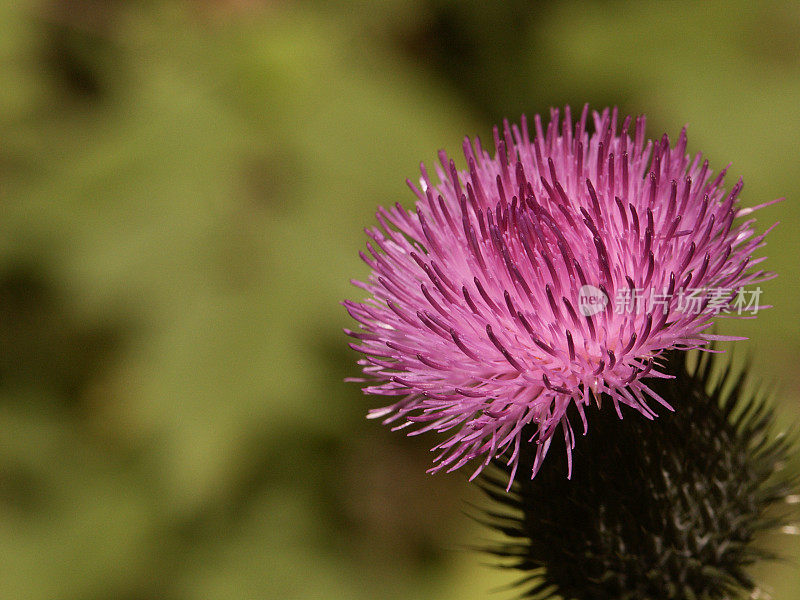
<point>183,187</point>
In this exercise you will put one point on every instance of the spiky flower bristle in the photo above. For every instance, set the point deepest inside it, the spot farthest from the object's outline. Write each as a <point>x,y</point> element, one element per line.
<point>652,513</point>
<point>559,268</point>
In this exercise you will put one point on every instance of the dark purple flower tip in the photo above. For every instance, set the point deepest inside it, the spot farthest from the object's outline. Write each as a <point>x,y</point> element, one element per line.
<point>553,273</point>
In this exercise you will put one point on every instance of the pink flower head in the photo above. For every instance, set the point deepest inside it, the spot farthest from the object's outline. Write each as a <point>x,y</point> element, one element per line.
<point>559,270</point>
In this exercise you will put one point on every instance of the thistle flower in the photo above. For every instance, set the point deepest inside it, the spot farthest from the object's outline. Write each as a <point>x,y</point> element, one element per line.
<point>662,512</point>
<point>551,275</point>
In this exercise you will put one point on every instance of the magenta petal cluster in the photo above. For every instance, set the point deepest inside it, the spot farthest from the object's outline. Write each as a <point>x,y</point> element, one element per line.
<point>556,272</point>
